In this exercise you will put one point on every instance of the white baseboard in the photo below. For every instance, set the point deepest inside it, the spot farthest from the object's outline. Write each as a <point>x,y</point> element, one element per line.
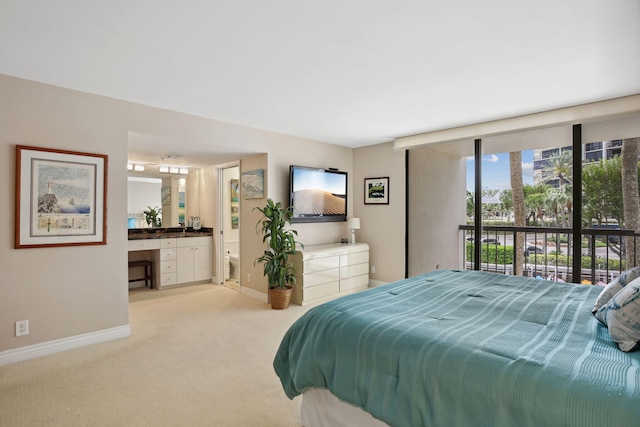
<point>376,283</point>
<point>252,293</point>
<point>37,350</point>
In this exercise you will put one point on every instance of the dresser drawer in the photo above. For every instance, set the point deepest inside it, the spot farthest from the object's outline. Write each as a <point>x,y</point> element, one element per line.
<point>167,254</point>
<point>168,267</point>
<point>319,264</point>
<point>354,258</point>
<point>354,283</point>
<point>320,291</point>
<point>185,242</point>
<point>354,270</point>
<point>143,244</point>
<point>168,279</point>
<point>167,243</point>
<point>320,277</point>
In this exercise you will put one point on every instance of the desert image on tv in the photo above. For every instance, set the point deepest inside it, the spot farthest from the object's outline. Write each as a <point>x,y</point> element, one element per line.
<point>318,202</point>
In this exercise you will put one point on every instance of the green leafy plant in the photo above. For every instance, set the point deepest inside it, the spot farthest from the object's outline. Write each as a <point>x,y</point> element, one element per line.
<point>151,216</point>
<point>281,242</point>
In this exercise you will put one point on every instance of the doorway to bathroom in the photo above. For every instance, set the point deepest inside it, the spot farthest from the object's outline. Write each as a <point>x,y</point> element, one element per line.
<point>230,224</point>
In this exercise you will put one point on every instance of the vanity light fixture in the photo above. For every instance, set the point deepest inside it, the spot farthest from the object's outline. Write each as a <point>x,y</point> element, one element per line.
<point>129,167</point>
<point>173,169</point>
<point>138,168</point>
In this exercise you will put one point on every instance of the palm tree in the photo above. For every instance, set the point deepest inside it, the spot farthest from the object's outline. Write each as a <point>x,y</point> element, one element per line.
<point>471,205</point>
<point>630,196</point>
<point>553,201</point>
<point>517,194</point>
<point>534,201</point>
<point>560,168</point>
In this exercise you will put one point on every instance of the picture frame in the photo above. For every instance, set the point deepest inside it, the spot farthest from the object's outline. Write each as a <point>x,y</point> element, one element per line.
<point>165,195</point>
<point>376,191</point>
<point>233,190</point>
<point>253,184</point>
<point>61,198</point>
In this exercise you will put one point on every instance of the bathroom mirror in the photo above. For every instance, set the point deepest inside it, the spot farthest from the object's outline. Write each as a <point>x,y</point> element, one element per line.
<point>166,192</point>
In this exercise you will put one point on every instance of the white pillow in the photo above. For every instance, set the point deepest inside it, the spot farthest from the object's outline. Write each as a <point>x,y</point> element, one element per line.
<point>614,287</point>
<point>622,316</point>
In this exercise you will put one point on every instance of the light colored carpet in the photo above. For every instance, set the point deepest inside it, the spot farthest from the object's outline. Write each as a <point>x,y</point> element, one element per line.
<point>198,356</point>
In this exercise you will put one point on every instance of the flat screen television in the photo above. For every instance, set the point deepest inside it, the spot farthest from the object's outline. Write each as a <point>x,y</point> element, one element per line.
<point>317,195</point>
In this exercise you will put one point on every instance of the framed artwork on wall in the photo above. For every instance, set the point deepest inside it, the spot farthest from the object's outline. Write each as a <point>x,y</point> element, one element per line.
<point>234,199</point>
<point>233,191</point>
<point>253,184</point>
<point>376,191</point>
<point>61,198</point>
<point>165,195</point>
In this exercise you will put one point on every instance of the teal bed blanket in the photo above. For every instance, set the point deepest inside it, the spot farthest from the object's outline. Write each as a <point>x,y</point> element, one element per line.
<point>466,348</point>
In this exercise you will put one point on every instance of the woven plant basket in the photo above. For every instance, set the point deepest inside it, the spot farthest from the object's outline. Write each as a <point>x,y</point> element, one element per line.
<point>280,298</point>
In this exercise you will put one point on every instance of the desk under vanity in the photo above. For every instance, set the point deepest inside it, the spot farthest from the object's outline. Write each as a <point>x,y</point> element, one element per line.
<point>178,256</point>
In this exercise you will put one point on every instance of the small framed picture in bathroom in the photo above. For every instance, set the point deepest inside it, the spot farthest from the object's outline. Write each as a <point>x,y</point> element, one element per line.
<point>233,190</point>
<point>165,195</point>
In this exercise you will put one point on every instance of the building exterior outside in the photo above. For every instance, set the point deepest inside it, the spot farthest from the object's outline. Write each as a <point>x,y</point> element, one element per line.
<point>592,152</point>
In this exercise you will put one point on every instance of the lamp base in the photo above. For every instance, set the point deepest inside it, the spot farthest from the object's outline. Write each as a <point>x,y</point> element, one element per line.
<point>353,236</point>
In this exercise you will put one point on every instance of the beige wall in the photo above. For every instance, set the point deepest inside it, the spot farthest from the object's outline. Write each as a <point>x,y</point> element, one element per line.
<point>251,246</point>
<point>382,226</point>
<point>65,292</point>
<point>286,151</point>
<point>436,209</point>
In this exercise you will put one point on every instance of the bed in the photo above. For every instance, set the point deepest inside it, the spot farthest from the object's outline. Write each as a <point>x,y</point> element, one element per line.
<point>462,348</point>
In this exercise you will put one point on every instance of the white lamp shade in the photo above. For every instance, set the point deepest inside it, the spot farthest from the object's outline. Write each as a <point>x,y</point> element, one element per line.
<point>353,223</point>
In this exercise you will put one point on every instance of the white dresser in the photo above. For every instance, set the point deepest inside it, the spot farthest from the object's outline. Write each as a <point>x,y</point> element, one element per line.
<point>324,272</point>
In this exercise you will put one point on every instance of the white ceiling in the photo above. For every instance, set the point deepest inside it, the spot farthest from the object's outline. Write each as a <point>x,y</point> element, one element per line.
<point>351,73</point>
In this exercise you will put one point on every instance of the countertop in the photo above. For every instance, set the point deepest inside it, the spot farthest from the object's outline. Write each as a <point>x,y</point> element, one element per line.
<point>168,233</point>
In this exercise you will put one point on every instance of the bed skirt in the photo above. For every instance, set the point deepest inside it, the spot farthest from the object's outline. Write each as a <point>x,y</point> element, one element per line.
<point>320,408</point>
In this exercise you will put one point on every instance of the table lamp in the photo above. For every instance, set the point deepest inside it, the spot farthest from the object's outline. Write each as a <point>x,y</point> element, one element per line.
<point>353,224</point>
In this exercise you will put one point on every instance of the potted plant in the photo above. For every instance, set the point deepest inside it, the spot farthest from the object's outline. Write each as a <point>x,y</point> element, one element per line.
<point>151,216</point>
<point>280,271</point>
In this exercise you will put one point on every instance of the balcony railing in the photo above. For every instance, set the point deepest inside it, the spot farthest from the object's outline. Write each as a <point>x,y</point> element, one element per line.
<point>548,252</point>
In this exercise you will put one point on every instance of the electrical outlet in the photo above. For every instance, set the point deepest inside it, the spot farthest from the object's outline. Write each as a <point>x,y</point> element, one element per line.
<point>248,277</point>
<point>373,270</point>
<point>22,328</point>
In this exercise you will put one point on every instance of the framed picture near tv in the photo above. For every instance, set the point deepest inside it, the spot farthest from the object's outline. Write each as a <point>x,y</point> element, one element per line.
<point>317,195</point>
<point>376,191</point>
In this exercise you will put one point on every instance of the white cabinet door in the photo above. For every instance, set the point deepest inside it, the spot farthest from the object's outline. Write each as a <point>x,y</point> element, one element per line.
<point>202,263</point>
<point>185,265</point>
<point>194,263</point>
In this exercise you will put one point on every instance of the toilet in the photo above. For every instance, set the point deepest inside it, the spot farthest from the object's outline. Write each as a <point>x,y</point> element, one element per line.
<point>232,249</point>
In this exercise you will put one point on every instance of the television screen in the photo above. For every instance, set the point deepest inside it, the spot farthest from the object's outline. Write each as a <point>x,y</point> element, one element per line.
<point>318,194</point>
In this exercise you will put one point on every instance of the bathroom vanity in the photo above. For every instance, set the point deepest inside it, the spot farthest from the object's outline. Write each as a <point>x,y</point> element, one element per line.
<point>180,256</point>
